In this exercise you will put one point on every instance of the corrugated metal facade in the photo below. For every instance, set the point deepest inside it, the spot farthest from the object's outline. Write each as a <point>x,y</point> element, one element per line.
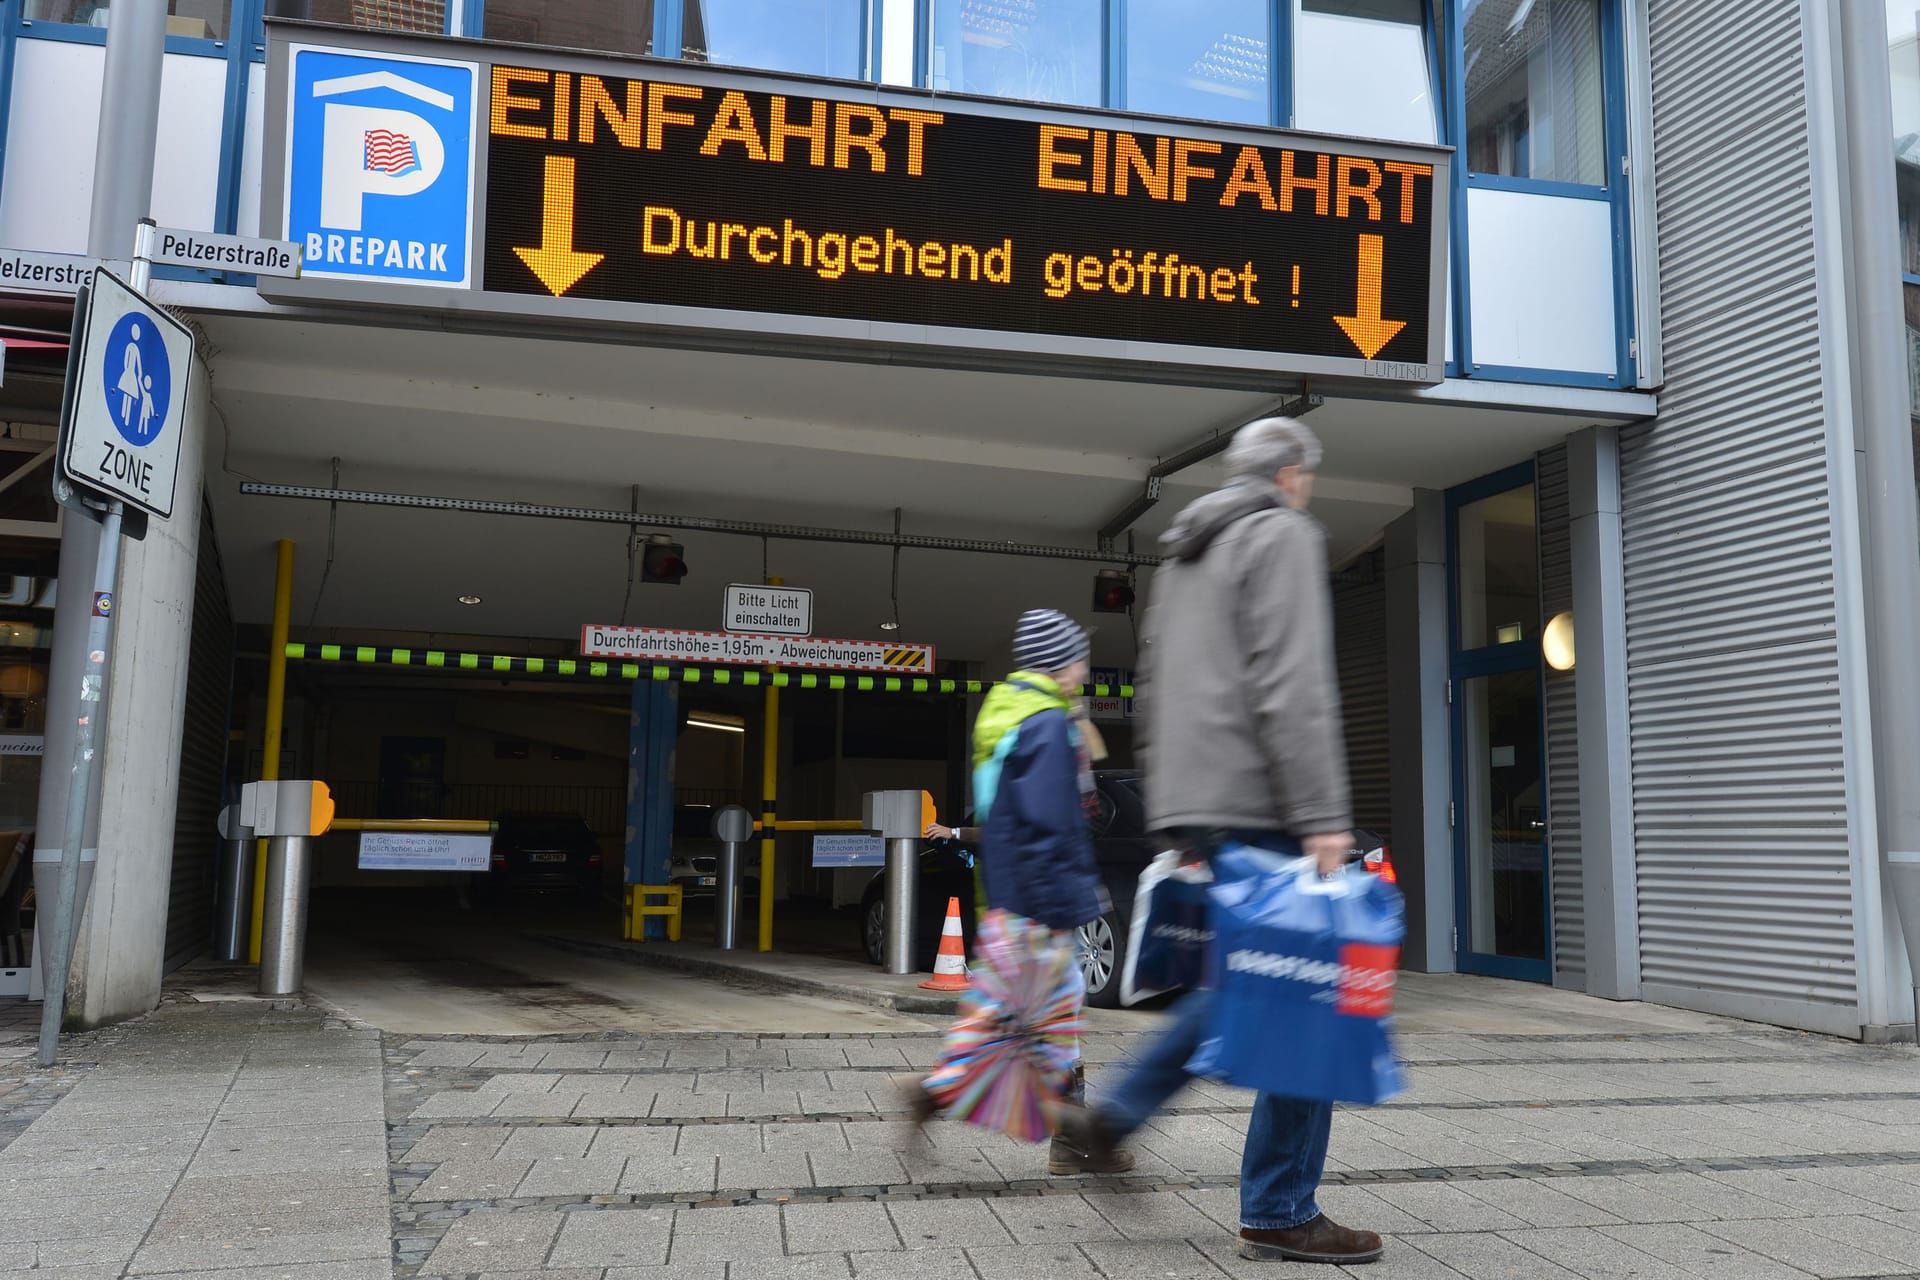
<point>1739,788</point>
<point>1360,638</point>
<point>203,756</point>
<point>1563,730</point>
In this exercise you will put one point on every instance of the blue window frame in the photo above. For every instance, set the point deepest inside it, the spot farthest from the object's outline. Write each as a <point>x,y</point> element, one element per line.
<point>1609,178</point>
<point>1496,685</point>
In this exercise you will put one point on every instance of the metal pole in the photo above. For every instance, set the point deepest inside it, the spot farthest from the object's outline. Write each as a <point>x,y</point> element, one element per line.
<point>284,948</point>
<point>122,191</point>
<point>1883,433</point>
<point>726,911</point>
<point>276,721</point>
<point>236,898</point>
<point>901,857</point>
<point>58,955</point>
<point>129,121</point>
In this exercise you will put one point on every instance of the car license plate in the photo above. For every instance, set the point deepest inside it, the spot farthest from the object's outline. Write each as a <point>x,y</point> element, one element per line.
<point>546,857</point>
<point>707,882</point>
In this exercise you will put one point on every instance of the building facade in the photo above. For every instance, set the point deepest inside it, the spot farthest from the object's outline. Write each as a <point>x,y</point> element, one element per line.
<point>1592,302</point>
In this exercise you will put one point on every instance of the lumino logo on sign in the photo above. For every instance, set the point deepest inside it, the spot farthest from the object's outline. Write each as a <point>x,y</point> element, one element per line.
<point>380,166</point>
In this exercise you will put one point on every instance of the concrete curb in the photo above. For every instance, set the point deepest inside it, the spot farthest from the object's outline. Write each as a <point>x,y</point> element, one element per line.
<point>920,1002</point>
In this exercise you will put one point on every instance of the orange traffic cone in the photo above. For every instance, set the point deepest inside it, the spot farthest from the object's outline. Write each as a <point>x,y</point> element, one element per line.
<point>950,966</point>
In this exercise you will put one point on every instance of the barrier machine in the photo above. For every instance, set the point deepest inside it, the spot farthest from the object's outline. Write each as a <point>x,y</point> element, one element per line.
<point>287,815</point>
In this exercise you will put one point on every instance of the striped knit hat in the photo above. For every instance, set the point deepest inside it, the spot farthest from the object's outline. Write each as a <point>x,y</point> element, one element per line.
<point>1048,640</point>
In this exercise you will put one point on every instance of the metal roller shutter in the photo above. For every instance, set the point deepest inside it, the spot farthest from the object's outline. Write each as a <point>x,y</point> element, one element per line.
<point>203,756</point>
<point>1360,639</point>
<point>1563,731</point>
<point>1740,794</point>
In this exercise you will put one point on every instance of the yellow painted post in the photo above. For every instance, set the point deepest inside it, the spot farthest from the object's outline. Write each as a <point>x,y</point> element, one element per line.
<point>276,718</point>
<point>769,823</point>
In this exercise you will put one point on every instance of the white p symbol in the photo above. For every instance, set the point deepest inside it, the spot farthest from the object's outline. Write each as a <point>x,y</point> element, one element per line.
<point>345,178</point>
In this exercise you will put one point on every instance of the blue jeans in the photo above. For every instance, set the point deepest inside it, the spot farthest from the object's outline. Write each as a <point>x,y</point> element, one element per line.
<point>1286,1152</point>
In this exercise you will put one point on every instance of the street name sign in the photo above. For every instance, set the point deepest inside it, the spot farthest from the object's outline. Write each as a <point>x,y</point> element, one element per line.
<point>210,251</point>
<point>654,644</point>
<point>32,271</point>
<point>128,402</point>
<point>777,611</point>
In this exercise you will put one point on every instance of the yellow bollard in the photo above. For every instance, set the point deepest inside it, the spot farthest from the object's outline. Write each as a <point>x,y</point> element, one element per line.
<point>276,719</point>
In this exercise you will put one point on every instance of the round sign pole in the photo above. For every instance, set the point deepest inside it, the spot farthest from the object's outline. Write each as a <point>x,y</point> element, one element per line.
<point>58,955</point>
<point>93,703</point>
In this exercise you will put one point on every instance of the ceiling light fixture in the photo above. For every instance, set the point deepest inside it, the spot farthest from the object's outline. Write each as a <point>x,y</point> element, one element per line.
<point>696,723</point>
<point>469,599</point>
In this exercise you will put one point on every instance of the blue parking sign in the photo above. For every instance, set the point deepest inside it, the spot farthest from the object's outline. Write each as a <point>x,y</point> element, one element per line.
<point>380,166</point>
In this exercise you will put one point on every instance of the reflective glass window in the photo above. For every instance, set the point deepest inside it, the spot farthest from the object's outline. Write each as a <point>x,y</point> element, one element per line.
<point>1498,546</point>
<point>1534,92</point>
<point>374,15</point>
<point>1040,50</point>
<point>195,19</point>
<point>1360,68</point>
<point>616,26</point>
<point>1209,59</point>
<point>813,37</point>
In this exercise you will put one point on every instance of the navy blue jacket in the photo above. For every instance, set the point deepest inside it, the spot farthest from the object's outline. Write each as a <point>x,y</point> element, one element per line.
<point>1036,853</point>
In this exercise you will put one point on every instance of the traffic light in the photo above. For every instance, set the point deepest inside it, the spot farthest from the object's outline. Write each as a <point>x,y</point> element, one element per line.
<point>1112,592</point>
<point>663,560</point>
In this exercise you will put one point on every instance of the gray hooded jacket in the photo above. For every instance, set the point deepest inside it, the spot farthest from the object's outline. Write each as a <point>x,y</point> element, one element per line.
<point>1239,694</point>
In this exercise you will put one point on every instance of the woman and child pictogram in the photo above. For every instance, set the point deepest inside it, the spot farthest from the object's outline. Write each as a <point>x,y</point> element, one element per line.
<point>135,389</point>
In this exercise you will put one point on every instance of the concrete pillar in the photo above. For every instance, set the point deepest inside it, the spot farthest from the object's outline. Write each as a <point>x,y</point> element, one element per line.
<point>1609,898</point>
<point>121,944</point>
<point>1419,729</point>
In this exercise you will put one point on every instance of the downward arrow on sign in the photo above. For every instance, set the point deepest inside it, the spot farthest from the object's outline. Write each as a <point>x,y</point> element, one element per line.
<point>556,262</point>
<point>1368,331</point>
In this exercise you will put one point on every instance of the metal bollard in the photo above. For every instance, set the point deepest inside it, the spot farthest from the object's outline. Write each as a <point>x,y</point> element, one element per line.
<point>283,934</point>
<point>733,827</point>
<point>234,923</point>
<point>899,817</point>
<point>901,900</point>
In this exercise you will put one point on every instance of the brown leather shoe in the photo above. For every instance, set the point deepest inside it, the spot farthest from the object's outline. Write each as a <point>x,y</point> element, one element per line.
<point>1082,1143</point>
<point>1322,1240</point>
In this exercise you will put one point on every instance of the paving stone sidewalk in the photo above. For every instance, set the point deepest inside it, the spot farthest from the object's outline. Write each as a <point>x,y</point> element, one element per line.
<point>245,1142</point>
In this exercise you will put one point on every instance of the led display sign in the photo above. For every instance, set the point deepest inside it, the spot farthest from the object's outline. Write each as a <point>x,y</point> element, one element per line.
<point>673,194</point>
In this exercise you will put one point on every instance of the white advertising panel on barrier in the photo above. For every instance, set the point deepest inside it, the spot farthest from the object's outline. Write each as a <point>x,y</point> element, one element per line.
<point>849,851</point>
<point>423,851</point>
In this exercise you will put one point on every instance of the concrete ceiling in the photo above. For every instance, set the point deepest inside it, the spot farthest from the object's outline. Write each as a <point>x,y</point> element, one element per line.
<point>1001,456</point>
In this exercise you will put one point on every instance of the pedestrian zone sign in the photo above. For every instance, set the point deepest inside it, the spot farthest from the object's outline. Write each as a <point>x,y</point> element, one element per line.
<point>126,400</point>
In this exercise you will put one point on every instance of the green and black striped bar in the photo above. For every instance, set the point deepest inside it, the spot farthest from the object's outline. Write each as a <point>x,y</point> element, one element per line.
<point>592,668</point>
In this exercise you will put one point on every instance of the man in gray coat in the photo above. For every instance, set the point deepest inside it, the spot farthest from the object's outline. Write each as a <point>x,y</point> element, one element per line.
<point>1242,716</point>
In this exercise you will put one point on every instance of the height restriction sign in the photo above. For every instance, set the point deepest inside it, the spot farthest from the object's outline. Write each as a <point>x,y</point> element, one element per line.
<point>126,400</point>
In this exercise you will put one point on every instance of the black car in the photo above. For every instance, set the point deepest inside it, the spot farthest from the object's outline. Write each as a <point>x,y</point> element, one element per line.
<point>1124,849</point>
<point>544,852</point>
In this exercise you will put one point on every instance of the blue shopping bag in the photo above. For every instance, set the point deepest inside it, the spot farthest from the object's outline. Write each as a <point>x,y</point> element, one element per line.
<point>1167,944</point>
<point>1305,969</point>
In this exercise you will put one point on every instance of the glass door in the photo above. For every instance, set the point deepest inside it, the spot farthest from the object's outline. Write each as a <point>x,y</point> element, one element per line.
<point>1501,884</point>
